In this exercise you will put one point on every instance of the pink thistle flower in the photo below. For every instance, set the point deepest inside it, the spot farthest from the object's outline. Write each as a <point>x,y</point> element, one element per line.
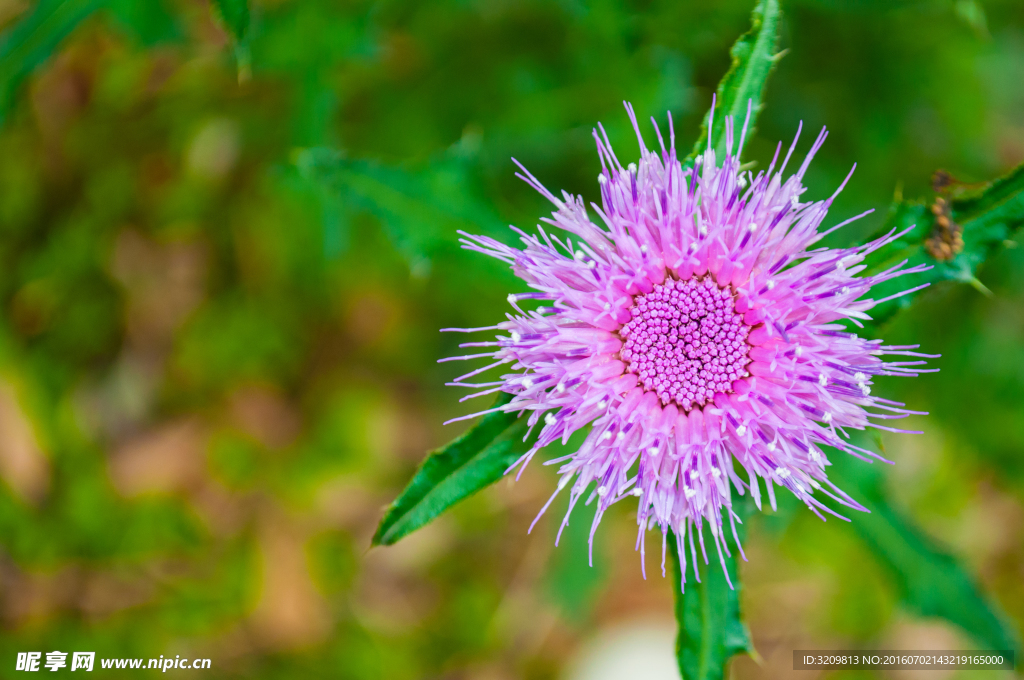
<point>697,327</point>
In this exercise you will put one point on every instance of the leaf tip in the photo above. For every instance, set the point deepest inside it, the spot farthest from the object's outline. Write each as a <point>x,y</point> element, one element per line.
<point>380,537</point>
<point>383,534</point>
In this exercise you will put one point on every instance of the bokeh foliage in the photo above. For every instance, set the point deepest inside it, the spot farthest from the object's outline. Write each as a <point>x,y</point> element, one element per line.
<point>215,373</point>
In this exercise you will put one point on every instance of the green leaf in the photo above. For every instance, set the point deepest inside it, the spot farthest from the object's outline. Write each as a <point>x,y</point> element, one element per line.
<point>234,14</point>
<point>710,628</point>
<point>999,201</point>
<point>988,215</point>
<point>931,581</point>
<point>475,460</point>
<point>147,20</point>
<point>420,209</point>
<point>753,58</point>
<point>972,14</point>
<point>32,40</point>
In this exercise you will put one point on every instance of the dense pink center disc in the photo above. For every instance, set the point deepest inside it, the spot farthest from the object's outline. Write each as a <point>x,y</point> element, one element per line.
<point>686,342</point>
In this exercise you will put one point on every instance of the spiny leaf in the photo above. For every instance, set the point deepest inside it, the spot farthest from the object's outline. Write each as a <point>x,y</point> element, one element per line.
<point>34,38</point>
<point>475,460</point>
<point>708,613</point>
<point>753,58</point>
<point>988,216</point>
<point>1000,200</point>
<point>931,581</point>
<point>420,210</point>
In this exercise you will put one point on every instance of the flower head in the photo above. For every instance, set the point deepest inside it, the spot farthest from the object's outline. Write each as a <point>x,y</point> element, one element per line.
<point>693,329</point>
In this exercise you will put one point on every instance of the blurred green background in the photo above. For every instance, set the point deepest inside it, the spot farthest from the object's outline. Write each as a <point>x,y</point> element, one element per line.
<point>215,372</point>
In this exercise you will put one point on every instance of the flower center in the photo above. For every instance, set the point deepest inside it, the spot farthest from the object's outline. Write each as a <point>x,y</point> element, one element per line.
<point>686,342</point>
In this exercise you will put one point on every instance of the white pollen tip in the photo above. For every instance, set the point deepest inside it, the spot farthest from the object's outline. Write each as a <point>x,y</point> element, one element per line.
<point>798,351</point>
<point>643,248</point>
<point>607,306</point>
<point>822,380</point>
<point>653,451</point>
<point>515,336</point>
<point>865,390</point>
<point>602,404</point>
<point>827,417</point>
<point>699,158</point>
<point>606,436</point>
<point>770,284</point>
<point>631,167</point>
<point>559,388</point>
<point>741,181</point>
<point>512,298</point>
<point>690,493</point>
<point>771,446</point>
<point>716,473</point>
<point>859,377</point>
<point>752,227</point>
<point>527,383</point>
<point>549,419</point>
<point>620,436</point>
<point>637,491</point>
<point>601,179</point>
<point>602,491</point>
<point>741,430</point>
<point>815,484</point>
